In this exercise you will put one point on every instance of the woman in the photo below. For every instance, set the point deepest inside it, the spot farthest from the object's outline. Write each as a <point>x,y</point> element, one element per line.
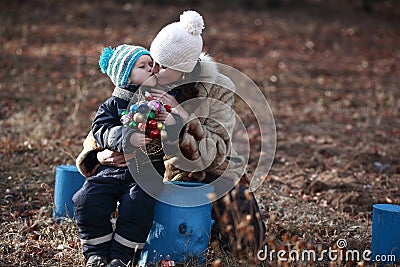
<point>203,99</point>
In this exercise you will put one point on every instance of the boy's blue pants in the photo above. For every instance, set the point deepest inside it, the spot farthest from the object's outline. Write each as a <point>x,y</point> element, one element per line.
<point>96,201</point>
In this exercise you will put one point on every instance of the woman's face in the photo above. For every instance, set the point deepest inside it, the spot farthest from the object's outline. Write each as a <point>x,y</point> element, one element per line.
<point>165,75</point>
<point>141,71</point>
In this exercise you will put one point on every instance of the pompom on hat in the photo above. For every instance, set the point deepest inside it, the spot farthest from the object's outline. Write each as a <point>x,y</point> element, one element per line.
<point>179,44</point>
<point>117,63</point>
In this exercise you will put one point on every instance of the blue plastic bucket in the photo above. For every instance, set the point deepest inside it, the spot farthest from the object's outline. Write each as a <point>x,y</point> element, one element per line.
<point>385,233</point>
<point>68,181</point>
<point>182,224</point>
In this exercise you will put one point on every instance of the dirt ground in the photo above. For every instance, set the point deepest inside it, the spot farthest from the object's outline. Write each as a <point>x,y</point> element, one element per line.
<point>329,70</point>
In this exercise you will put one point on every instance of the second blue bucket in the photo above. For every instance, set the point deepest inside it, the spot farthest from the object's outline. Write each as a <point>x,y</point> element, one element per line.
<point>182,225</point>
<point>68,181</point>
<point>385,234</point>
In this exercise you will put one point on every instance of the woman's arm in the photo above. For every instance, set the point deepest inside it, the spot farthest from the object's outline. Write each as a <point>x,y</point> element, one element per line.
<point>92,156</point>
<point>209,129</point>
<point>206,141</point>
<point>87,162</point>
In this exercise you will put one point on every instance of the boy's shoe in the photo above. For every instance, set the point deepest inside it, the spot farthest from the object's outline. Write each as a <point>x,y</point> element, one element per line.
<point>96,261</point>
<point>119,263</point>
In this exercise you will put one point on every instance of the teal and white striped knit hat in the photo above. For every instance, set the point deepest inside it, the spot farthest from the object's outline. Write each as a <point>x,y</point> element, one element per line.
<point>117,63</point>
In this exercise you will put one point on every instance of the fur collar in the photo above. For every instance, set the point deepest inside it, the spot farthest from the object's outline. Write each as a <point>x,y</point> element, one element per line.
<point>211,78</point>
<point>209,71</point>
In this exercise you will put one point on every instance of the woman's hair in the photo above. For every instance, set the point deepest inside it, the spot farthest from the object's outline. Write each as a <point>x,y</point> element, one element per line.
<point>188,90</point>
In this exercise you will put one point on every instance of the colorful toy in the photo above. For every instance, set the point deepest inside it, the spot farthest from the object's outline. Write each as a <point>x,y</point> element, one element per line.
<point>142,116</point>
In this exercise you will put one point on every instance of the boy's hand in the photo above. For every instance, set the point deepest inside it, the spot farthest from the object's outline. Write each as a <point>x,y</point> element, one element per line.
<point>139,139</point>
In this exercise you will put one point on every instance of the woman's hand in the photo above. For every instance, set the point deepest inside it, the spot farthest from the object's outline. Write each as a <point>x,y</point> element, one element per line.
<point>164,97</point>
<point>166,118</point>
<point>181,112</point>
<point>169,100</point>
<point>114,159</point>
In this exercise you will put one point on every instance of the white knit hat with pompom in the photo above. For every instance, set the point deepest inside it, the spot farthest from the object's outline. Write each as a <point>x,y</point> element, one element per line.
<point>179,44</point>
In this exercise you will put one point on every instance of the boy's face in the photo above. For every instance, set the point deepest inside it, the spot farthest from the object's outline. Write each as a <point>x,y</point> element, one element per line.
<point>141,71</point>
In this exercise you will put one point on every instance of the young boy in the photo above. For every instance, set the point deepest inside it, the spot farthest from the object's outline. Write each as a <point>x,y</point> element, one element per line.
<point>128,67</point>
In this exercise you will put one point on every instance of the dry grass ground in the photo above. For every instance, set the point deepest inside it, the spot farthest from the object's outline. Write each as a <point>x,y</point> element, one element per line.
<point>329,70</point>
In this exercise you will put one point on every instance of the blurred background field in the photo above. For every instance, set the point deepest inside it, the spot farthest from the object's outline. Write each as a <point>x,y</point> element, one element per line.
<point>329,69</point>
